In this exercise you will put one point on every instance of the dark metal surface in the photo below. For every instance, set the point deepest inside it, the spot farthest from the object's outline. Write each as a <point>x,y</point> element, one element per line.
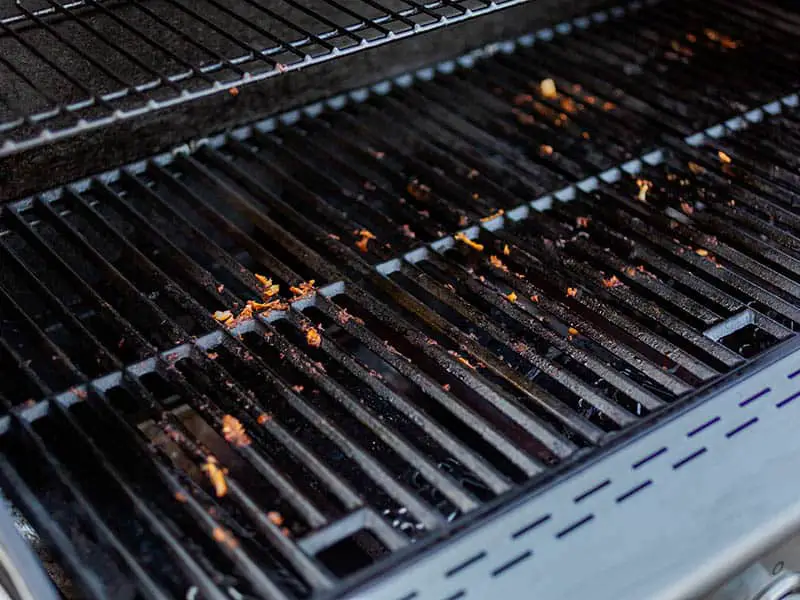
<point>94,149</point>
<point>450,370</point>
<point>99,62</point>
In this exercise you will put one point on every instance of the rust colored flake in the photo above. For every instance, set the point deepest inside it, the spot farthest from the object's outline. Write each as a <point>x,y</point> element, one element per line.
<point>724,157</point>
<point>233,431</point>
<point>223,316</point>
<point>545,150</point>
<point>408,232</point>
<point>572,292</point>
<point>303,289</point>
<point>298,389</point>
<point>365,236</point>
<point>212,355</point>
<point>234,91</point>
<point>497,263</point>
<point>644,187</point>
<point>464,361</point>
<point>223,536</point>
<point>493,216</point>
<point>696,169</point>
<point>263,419</point>
<point>460,237</point>
<point>521,99</point>
<point>611,282</point>
<point>535,298</point>
<point>582,222</point>
<point>313,338</point>
<point>216,476</point>
<point>180,497</point>
<point>275,517</point>
<point>446,387</point>
<point>418,190</point>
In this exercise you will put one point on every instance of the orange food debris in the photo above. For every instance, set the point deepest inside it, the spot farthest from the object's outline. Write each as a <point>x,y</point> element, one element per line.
<point>724,157</point>
<point>275,517</point>
<point>303,289</point>
<point>493,216</point>
<point>582,222</point>
<point>585,135</point>
<point>418,190</point>
<point>263,418</point>
<point>644,187</point>
<point>548,88</point>
<point>270,289</point>
<point>233,431</point>
<point>223,316</point>
<point>545,150</point>
<point>313,338</point>
<point>511,297</point>
<point>216,476</point>
<point>535,298</point>
<point>180,497</point>
<point>701,252</point>
<point>607,106</point>
<point>611,282</point>
<point>234,91</point>
<point>572,331</point>
<point>572,292</point>
<point>366,236</point>
<point>460,237</point>
<point>497,263</point>
<point>506,249</point>
<point>568,104</point>
<point>223,536</point>
<point>464,361</point>
<point>695,168</point>
<point>212,355</point>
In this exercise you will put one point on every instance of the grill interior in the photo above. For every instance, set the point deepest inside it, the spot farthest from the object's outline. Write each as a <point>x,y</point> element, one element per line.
<point>500,286</point>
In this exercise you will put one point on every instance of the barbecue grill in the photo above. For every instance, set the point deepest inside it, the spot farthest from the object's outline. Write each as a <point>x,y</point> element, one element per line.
<point>396,299</point>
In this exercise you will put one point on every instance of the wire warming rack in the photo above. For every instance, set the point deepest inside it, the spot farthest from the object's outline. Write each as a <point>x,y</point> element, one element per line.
<point>73,65</point>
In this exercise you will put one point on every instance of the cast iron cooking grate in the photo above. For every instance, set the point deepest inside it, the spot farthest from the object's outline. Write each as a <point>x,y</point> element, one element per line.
<point>162,453</point>
<point>67,66</point>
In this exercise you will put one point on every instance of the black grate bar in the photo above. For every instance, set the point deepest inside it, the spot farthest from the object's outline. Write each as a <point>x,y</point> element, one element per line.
<point>466,415</point>
<point>498,301</point>
<point>469,459</point>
